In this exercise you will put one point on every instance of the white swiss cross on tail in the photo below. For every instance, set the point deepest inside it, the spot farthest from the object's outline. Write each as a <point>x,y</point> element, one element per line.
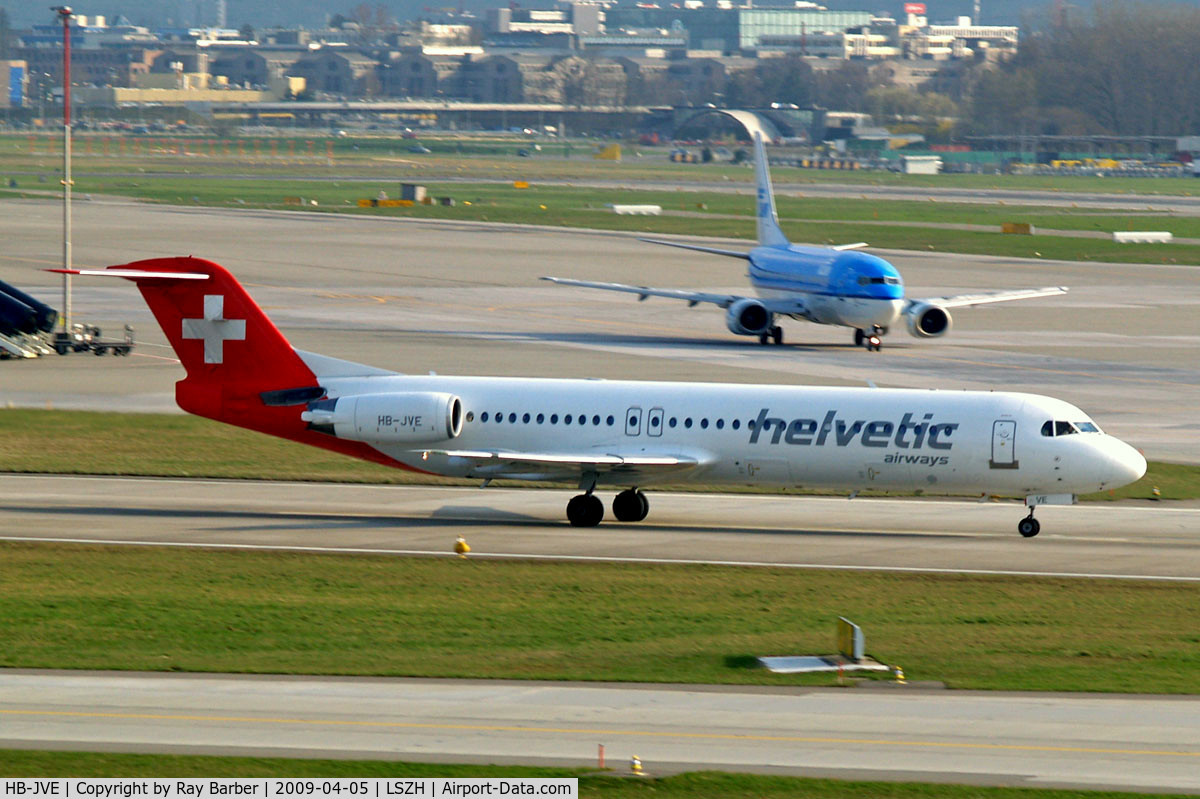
<point>214,328</point>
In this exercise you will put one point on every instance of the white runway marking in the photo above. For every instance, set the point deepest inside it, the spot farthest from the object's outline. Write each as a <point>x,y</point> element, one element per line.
<point>601,559</point>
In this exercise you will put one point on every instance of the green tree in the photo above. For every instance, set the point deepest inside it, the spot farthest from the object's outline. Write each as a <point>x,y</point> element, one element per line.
<point>844,88</point>
<point>788,79</point>
<point>1123,70</point>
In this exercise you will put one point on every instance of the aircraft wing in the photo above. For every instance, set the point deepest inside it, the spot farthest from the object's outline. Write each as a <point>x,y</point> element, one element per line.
<point>691,297</point>
<point>503,463</point>
<point>793,306</point>
<point>985,297</point>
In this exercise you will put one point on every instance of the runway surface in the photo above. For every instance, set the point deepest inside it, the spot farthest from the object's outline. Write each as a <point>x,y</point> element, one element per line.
<point>1042,740</point>
<point>1140,541</point>
<point>464,298</point>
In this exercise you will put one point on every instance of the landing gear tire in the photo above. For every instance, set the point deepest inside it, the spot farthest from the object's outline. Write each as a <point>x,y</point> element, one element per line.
<point>630,505</point>
<point>763,337</point>
<point>777,335</point>
<point>585,510</point>
<point>1029,527</point>
<point>872,340</point>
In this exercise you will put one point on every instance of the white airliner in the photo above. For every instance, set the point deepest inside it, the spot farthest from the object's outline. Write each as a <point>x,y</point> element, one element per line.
<point>625,434</point>
<point>826,285</point>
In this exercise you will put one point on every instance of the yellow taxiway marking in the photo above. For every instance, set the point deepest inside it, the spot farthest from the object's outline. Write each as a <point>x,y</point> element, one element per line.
<point>707,736</point>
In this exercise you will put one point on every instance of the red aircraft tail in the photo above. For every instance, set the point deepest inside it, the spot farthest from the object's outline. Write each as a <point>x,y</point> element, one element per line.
<point>240,368</point>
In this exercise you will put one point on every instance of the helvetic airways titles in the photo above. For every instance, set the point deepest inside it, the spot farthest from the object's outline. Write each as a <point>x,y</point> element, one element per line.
<point>880,433</point>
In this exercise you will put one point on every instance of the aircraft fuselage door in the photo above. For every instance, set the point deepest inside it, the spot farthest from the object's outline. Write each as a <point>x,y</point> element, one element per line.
<point>633,421</point>
<point>654,422</point>
<point>1004,445</point>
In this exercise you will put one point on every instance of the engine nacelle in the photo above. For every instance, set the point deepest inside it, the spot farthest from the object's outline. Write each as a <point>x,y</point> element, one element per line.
<point>926,320</point>
<point>410,417</point>
<point>748,317</point>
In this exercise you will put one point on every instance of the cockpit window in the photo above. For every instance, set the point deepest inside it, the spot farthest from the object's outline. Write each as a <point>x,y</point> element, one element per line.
<point>878,281</point>
<point>1053,428</point>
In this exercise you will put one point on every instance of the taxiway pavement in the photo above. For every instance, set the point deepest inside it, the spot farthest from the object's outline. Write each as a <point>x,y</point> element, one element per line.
<point>1042,740</point>
<point>1127,540</point>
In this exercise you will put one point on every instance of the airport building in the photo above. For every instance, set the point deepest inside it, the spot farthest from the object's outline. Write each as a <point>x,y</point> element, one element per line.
<point>576,53</point>
<point>13,78</point>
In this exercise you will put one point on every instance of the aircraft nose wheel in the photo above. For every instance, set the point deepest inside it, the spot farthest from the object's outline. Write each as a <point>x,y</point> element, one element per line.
<point>630,505</point>
<point>872,340</point>
<point>585,510</point>
<point>1029,526</point>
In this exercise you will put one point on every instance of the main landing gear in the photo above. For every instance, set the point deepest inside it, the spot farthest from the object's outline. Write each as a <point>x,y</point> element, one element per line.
<point>1029,526</point>
<point>630,505</point>
<point>586,510</point>
<point>775,333</point>
<point>872,340</point>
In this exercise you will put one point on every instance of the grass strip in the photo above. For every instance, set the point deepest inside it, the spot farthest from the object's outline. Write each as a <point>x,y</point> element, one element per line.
<point>489,157</point>
<point>168,445</point>
<point>212,190</point>
<point>692,785</point>
<point>95,607</point>
<point>724,215</point>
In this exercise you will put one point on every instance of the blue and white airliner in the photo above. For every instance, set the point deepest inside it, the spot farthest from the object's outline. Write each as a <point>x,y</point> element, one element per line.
<point>827,285</point>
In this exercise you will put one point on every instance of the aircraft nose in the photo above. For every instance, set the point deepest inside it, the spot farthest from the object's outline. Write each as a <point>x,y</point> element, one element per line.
<point>1126,464</point>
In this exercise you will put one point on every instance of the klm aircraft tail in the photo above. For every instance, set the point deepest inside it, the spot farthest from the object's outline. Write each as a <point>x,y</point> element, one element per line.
<point>769,233</point>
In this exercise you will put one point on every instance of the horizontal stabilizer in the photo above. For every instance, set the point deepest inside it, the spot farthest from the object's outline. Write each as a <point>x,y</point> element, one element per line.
<point>133,274</point>
<point>698,248</point>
